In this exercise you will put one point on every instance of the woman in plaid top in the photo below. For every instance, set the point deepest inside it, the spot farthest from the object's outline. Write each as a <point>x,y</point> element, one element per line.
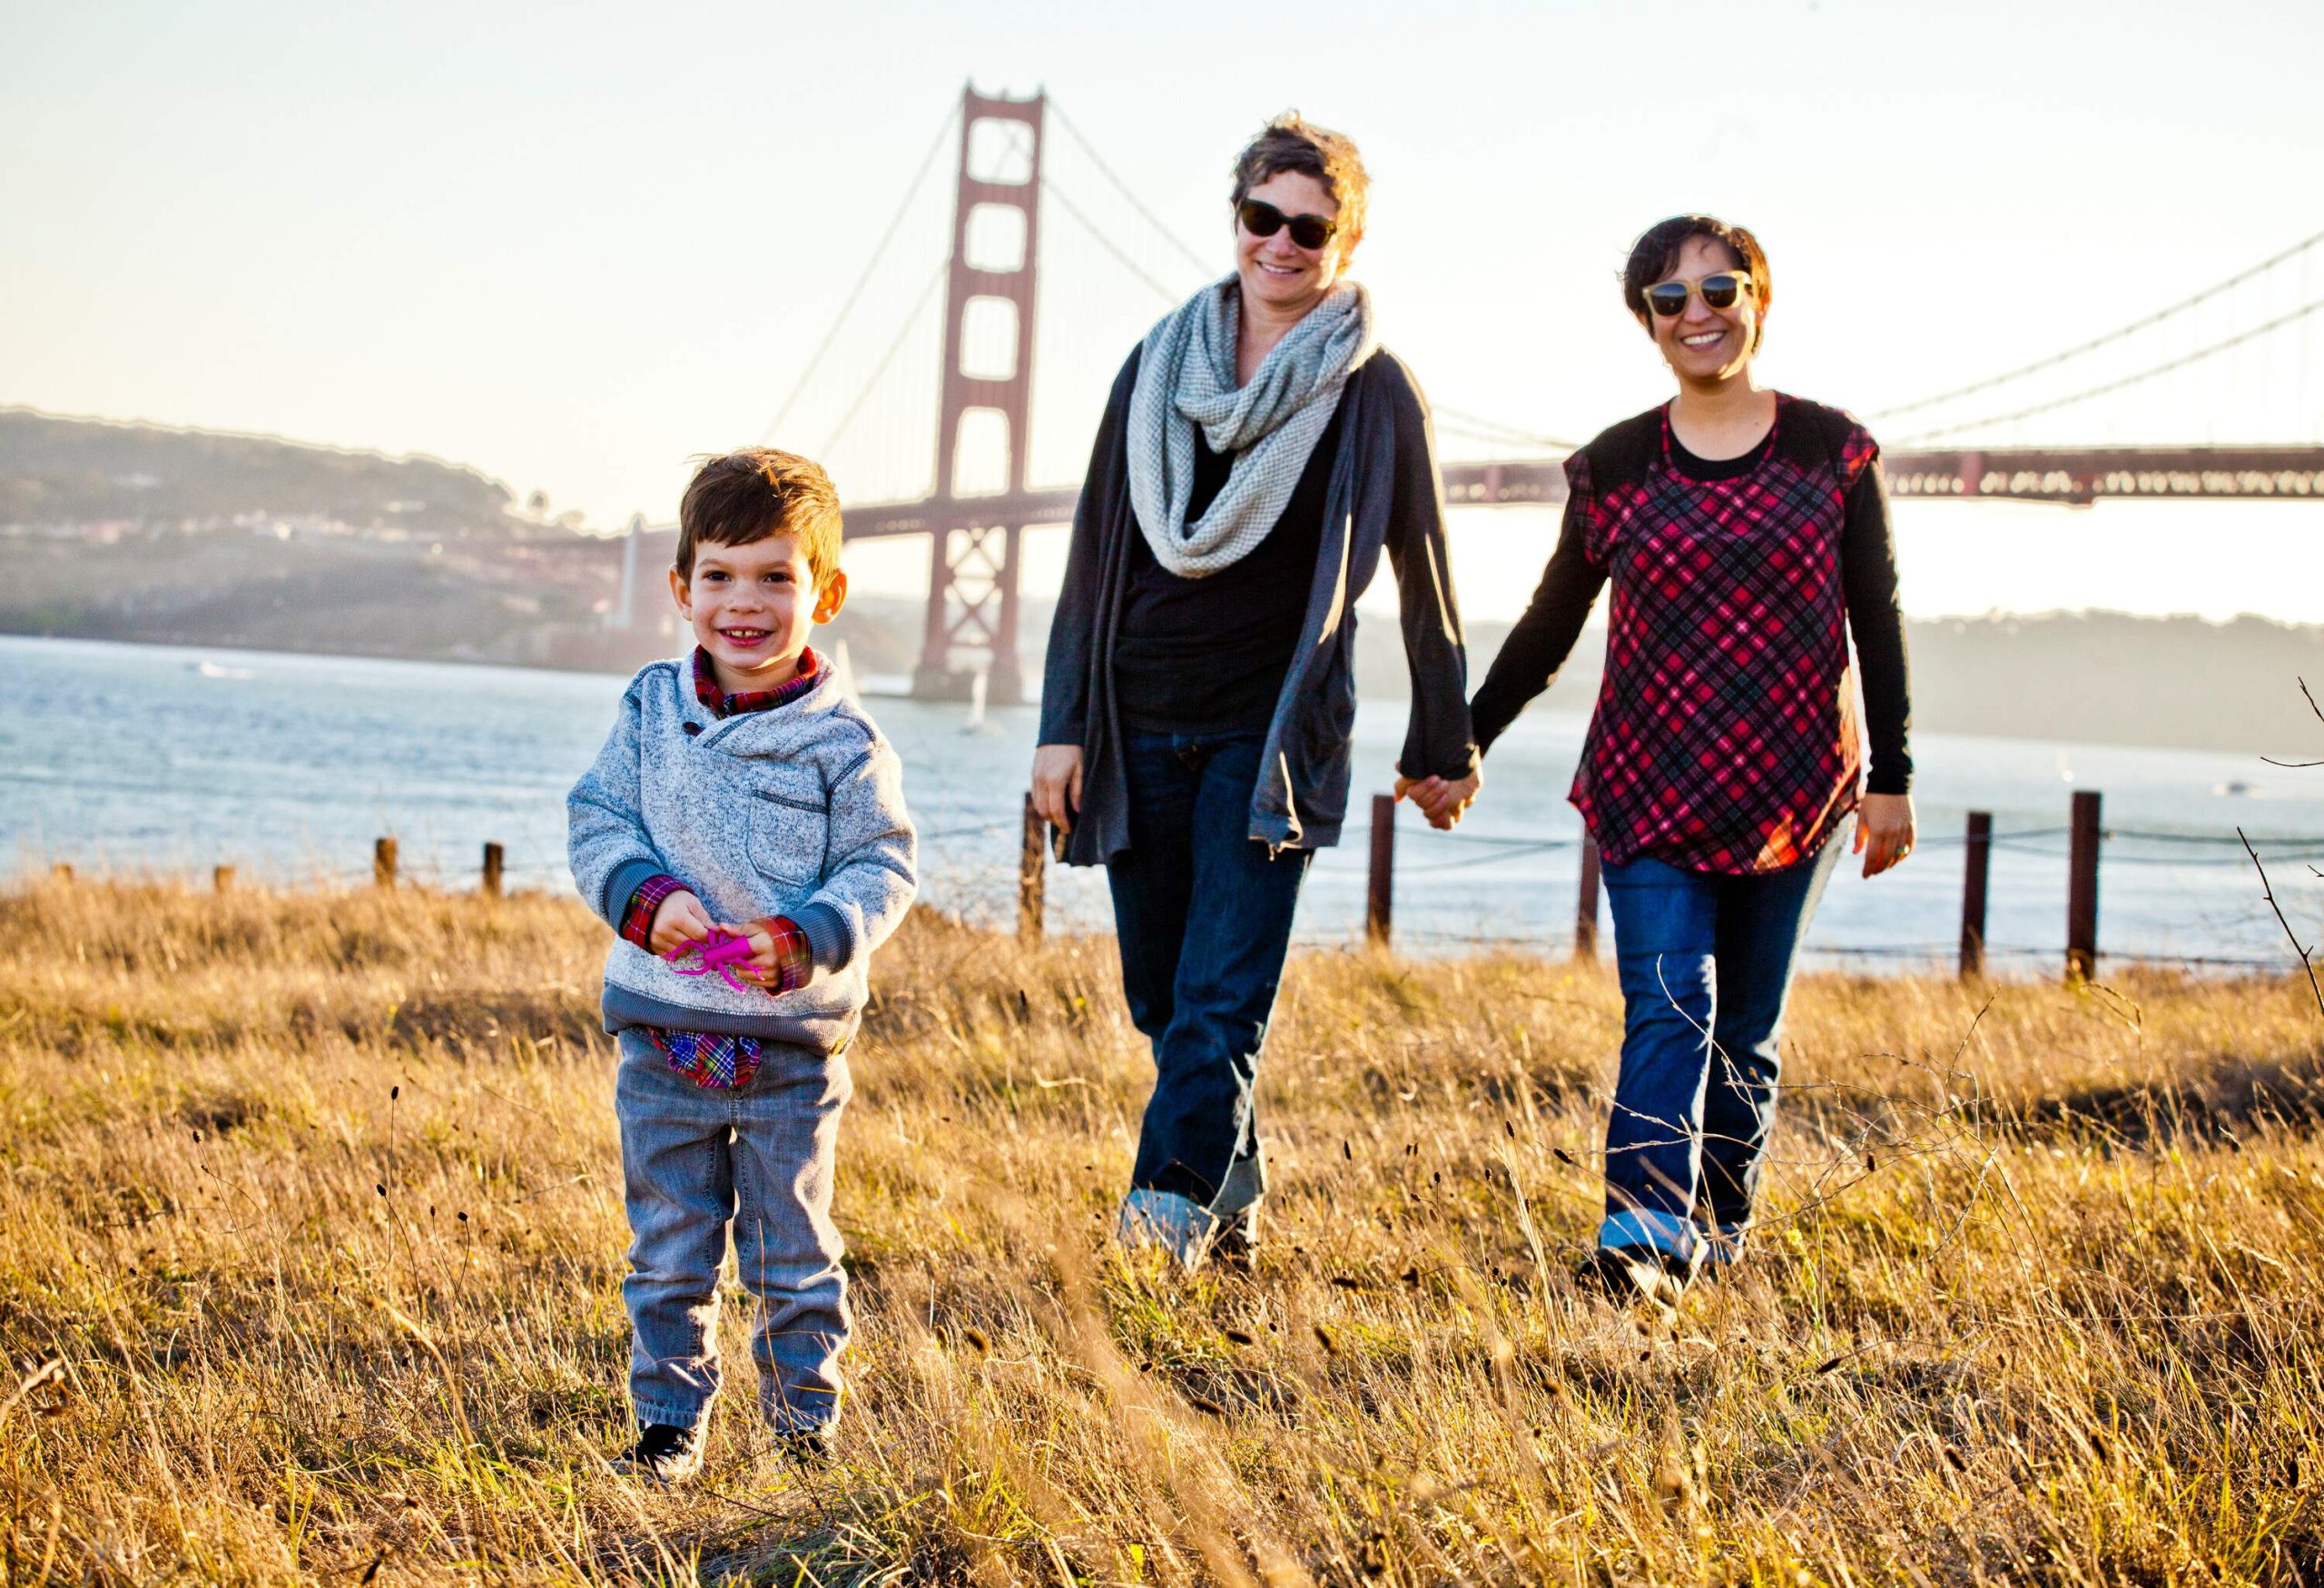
<point>1745,535</point>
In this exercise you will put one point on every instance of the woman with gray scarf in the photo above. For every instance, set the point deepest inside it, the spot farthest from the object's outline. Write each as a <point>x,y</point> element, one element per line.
<point>1258,453</point>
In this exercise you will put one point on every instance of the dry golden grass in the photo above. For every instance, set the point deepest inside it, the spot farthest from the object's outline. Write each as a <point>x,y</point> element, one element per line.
<point>313,1203</point>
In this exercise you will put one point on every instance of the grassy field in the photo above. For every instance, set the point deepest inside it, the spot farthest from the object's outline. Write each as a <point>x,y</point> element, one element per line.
<point>310,1240</point>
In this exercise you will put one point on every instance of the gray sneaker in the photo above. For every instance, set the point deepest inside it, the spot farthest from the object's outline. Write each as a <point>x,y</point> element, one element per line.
<point>662,1454</point>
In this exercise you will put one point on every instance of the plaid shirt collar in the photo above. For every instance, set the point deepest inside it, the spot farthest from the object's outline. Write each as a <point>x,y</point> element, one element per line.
<point>720,703</point>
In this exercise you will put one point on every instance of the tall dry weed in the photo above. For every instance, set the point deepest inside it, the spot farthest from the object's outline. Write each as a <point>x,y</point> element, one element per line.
<point>313,1239</point>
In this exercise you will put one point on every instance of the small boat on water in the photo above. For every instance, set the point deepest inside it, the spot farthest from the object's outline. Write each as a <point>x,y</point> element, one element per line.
<point>207,669</point>
<point>977,687</point>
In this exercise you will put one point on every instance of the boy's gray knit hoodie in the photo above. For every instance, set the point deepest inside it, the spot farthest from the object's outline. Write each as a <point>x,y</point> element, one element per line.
<point>795,810</point>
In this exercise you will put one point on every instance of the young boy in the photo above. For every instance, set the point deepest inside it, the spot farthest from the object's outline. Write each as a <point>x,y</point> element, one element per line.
<point>740,793</point>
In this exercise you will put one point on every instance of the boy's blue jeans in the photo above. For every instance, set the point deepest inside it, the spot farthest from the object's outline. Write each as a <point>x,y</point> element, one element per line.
<point>1204,915</point>
<point>1706,964</point>
<point>694,1158</point>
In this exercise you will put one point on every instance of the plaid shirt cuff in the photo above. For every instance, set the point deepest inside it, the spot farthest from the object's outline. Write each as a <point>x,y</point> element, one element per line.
<point>637,915</point>
<point>795,962</point>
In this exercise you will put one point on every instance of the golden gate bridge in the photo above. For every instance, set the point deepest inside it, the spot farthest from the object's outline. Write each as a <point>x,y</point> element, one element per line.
<point>976,513</point>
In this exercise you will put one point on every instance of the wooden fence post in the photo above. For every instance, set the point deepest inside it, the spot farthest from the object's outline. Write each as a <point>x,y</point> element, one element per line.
<point>383,863</point>
<point>1380,898</point>
<point>1585,904</point>
<point>2082,888</point>
<point>221,878</point>
<point>1032,874</point>
<point>1978,848</point>
<point>493,857</point>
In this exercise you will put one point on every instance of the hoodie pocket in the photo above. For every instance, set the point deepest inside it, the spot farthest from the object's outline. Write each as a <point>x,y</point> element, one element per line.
<point>790,827</point>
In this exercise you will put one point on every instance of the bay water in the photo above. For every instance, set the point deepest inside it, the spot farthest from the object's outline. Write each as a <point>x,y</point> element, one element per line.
<point>130,759</point>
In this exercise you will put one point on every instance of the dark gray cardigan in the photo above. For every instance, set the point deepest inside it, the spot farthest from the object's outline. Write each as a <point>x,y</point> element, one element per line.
<point>1384,493</point>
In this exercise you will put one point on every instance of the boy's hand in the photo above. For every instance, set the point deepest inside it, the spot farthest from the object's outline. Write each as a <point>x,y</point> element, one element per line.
<point>680,920</point>
<point>780,964</point>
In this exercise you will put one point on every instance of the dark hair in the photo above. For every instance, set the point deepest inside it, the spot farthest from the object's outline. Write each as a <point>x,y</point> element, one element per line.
<point>1291,143</point>
<point>747,496</point>
<point>1656,254</point>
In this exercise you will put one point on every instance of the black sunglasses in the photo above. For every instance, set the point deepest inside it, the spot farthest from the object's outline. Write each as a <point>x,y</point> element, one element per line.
<point>1669,298</point>
<point>1261,218</point>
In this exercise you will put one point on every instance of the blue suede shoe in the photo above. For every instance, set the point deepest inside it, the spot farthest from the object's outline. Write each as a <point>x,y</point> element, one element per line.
<point>1180,1225</point>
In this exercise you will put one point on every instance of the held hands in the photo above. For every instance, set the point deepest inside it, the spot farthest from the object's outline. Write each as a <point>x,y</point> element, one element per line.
<point>1057,784</point>
<point>1441,802</point>
<point>1884,830</point>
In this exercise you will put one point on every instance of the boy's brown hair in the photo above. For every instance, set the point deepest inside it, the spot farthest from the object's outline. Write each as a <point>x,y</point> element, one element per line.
<point>747,496</point>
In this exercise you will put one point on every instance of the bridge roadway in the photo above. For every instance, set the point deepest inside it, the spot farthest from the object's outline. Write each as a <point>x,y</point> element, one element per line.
<point>2074,476</point>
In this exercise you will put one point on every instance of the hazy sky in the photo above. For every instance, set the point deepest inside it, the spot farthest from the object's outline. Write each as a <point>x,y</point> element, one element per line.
<point>575,245</point>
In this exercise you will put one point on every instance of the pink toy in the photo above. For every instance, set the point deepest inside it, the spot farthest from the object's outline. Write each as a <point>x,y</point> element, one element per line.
<point>721,952</point>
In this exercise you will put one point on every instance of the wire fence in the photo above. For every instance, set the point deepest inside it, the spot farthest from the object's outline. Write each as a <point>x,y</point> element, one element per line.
<point>977,878</point>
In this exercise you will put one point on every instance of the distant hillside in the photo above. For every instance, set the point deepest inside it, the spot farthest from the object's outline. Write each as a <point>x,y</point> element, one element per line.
<point>132,533</point>
<point>55,471</point>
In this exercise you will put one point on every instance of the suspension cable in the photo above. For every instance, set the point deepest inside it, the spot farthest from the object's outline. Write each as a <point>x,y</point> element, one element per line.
<point>1206,267</point>
<point>2302,312</point>
<point>2156,318</point>
<point>1167,294</point>
<point>1485,429</point>
<point>878,252</point>
<point>888,358</point>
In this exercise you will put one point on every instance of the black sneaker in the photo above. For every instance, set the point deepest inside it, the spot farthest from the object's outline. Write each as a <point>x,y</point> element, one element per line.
<point>1236,1246</point>
<point>810,1448</point>
<point>1630,1275</point>
<point>662,1454</point>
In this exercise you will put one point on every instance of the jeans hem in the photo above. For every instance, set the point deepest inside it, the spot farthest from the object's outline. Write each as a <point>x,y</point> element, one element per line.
<point>785,1417</point>
<point>661,1416</point>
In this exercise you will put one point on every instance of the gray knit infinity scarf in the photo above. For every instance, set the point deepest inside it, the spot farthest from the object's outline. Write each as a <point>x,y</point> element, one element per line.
<point>1185,377</point>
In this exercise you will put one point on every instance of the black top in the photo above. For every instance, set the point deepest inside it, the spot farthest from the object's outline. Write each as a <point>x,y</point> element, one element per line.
<point>1385,500</point>
<point>1208,656</point>
<point>1706,470</point>
<point>1538,646</point>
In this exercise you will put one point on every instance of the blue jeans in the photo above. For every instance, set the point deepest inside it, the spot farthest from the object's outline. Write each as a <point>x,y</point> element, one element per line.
<point>1706,964</point>
<point>695,1160</point>
<point>1204,914</point>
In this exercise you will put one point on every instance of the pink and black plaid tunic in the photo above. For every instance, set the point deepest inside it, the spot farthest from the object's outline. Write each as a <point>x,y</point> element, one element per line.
<point>1725,738</point>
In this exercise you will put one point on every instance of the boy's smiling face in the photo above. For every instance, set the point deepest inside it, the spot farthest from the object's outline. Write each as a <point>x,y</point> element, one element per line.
<point>753,607</point>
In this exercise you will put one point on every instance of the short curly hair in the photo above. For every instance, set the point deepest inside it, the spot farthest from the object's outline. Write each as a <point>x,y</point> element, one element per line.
<point>739,497</point>
<point>1293,143</point>
<point>1656,254</point>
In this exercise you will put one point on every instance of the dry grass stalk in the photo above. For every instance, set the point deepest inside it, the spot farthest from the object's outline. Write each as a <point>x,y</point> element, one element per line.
<point>313,1240</point>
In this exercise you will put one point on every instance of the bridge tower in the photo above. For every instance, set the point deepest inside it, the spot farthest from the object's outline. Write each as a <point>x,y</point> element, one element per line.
<point>974,548</point>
